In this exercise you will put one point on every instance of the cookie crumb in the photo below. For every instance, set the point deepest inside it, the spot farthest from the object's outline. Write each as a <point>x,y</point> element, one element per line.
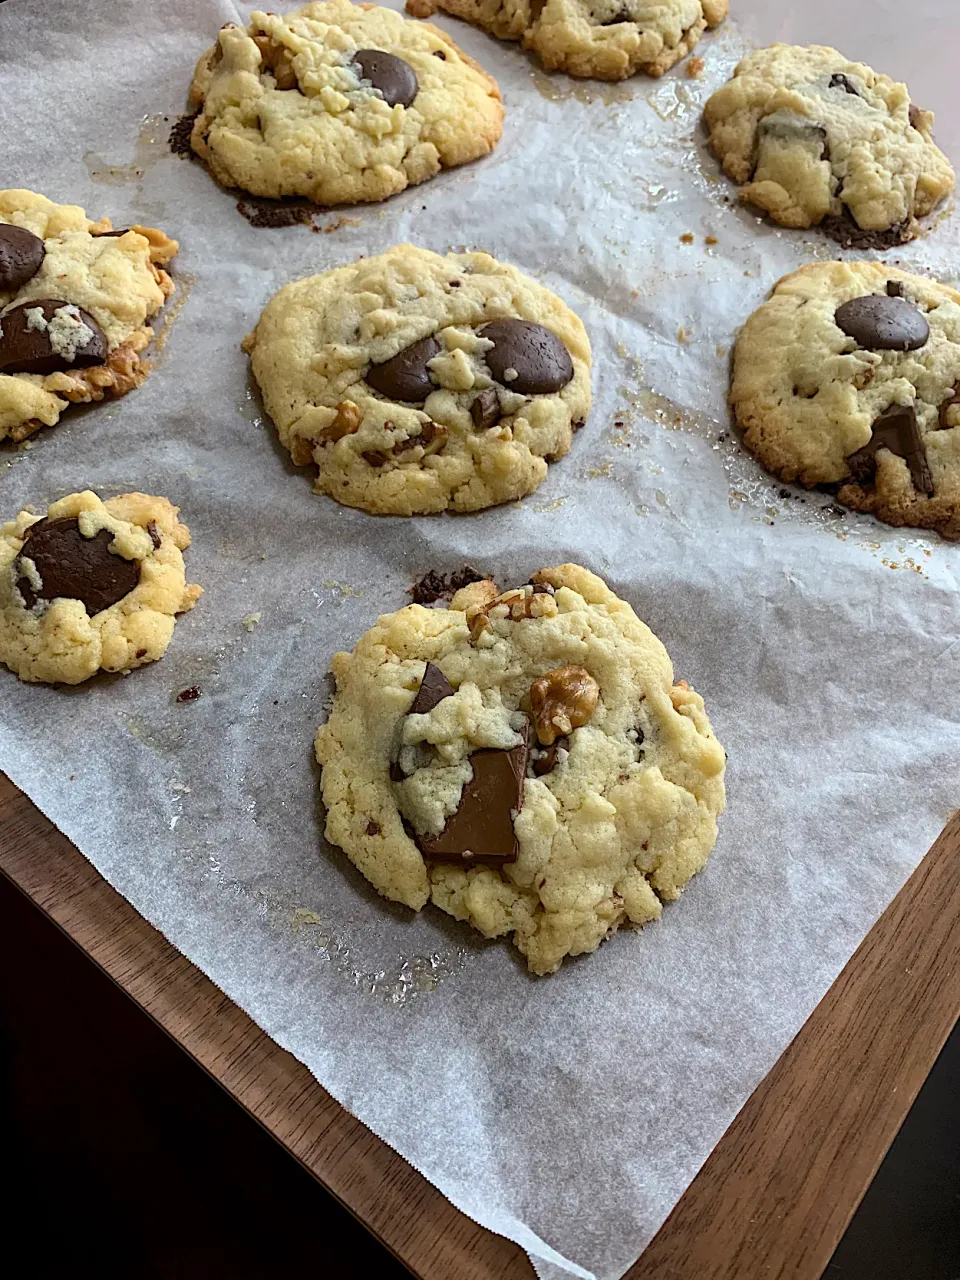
<point>434,586</point>
<point>251,620</point>
<point>189,695</point>
<point>683,337</point>
<point>694,67</point>
<point>421,8</point>
<point>687,237</point>
<point>710,240</point>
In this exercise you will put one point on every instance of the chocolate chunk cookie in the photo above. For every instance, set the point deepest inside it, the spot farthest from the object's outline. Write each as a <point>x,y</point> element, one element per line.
<point>525,761</point>
<point>418,382</point>
<point>850,374</point>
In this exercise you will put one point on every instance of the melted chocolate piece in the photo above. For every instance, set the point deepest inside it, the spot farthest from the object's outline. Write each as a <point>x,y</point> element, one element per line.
<point>21,256</point>
<point>73,567</point>
<point>840,81</point>
<point>546,762</point>
<point>390,75</point>
<point>434,687</point>
<point>482,828</point>
<point>103,235</point>
<point>880,323</point>
<point>485,410</point>
<point>154,533</point>
<point>406,376</point>
<point>189,695</point>
<point>28,350</point>
<point>896,429</point>
<point>434,586</point>
<point>540,360</point>
<point>895,289</point>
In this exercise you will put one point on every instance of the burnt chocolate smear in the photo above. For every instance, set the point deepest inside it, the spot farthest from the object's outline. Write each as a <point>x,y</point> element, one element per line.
<point>179,139</point>
<point>435,586</point>
<point>278,213</point>
<point>189,695</point>
<point>849,235</point>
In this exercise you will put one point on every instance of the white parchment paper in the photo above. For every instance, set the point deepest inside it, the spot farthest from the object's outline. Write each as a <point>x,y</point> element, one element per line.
<point>570,1112</point>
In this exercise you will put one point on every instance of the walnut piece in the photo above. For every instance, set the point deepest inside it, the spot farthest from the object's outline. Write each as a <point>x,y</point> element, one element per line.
<point>517,604</point>
<point>278,59</point>
<point>561,701</point>
<point>347,421</point>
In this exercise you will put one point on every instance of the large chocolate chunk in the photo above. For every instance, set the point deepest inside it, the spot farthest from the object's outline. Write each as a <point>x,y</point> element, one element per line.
<point>434,687</point>
<point>49,336</point>
<point>879,323</point>
<point>73,567</point>
<point>21,256</point>
<point>896,429</point>
<point>485,410</point>
<point>393,77</point>
<point>482,828</point>
<point>406,376</point>
<point>526,357</point>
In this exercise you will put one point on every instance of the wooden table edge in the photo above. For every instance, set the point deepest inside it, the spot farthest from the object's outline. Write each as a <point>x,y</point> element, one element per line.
<point>772,1200</point>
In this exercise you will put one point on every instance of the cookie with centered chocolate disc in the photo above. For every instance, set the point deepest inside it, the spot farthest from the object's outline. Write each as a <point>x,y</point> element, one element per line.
<point>339,103</point>
<point>524,760</point>
<point>417,382</point>
<point>850,375</point>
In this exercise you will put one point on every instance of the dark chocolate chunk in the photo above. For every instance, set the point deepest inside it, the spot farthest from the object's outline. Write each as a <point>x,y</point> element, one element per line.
<point>154,533</point>
<point>189,695</point>
<point>434,687</point>
<point>539,359</point>
<point>879,323</point>
<point>103,235</point>
<point>546,762</point>
<point>396,773</point>
<point>895,289</point>
<point>850,235</point>
<point>485,410</point>
<point>434,586</point>
<point>21,256</point>
<point>406,376</point>
<point>73,567</point>
<point>481,830</point>
<point>896,429</point>
<point>536,8</point>
<point>388,74</point>
<point>26,348</point>
<point>840,81</point>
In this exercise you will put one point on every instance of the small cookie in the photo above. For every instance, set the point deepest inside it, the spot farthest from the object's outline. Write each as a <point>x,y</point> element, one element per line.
<point>523,760</point>
<point>419,382</point>
<point>91,586</point>
<point>850,373</point>
<point>339,103</point>
<point>601,39</point>
<point>75,298</point>
<point>820,141</point>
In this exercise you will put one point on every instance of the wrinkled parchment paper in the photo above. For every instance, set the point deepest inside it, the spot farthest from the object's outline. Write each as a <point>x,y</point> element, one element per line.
<point>568,1113</point>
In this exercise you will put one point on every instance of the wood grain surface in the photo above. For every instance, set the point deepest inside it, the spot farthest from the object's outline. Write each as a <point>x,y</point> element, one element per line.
<point>772,1200</point>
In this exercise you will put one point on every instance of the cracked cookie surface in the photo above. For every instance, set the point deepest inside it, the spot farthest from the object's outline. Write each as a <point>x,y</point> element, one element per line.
<point>75,298</point>
<point>850,374</point>
<point>419,382</point>
<point>523,760</point>
<point>819,140</point>
<point>339,103</point>
<point>91,586</point>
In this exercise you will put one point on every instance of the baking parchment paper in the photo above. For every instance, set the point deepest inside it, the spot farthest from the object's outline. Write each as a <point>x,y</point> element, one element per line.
<point>568,1113</point>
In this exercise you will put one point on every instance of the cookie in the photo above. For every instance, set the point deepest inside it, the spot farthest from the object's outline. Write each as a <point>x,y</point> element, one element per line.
<point>850,375</point>
<point>91,586</point>
<point>418,382</point>
<point>600,39</point>
<point>75,298</point>
<point>820,141</point>
<point>523,760</point>
<point>339,103</point>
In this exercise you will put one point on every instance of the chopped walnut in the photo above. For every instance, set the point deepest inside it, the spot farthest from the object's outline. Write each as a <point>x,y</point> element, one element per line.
<point>347,421</point>
<point>421,8</point>
<point>694,67</point>
<point>515,605</point>
<point>121,372</point>
<point>278,59</point>
<point>561,701</point>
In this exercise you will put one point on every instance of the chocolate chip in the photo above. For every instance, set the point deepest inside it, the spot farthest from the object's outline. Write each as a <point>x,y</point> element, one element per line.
<point>485,410</point>
<point>154,533</point>
<point>396,773</point>
<point>433,586</point>
<point>880,323</point>
<point>896,429</point>
<point>623,16</point>
<point>546,762</point>
<point>374,458</point>
<point>373,828</point>
<point>895,289</point>
<point>21,255</point>
<point>840,81</point>
<point>438,53</point>
<point>536,8</point>
<point>25,346</point>
<point>103,235</point>
<point>543,589</point>
<point>481,830</point>
<point>406,376</point>
<point>390,75</point>
<point>189,695</point>
<point>539,359</point>
<point>434,687</point>
<point>73,567</point>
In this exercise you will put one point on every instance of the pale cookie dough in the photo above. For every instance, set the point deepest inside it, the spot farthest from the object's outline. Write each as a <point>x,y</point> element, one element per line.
<point>96,591</point>
<point>600,39</point>
<point>115,278</point>
<point>553,700</point>
<point>822,141</point>
<point>850,373</point>
<point>339,103</point>
<point>380,373</point>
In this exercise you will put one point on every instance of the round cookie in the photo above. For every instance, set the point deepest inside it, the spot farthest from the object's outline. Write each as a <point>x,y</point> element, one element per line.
<point>419,382</point>
<point>91,586</point>
<point>523,760</point>
<point>850,374</point>
<point>600,39</point>
<point>339,103</point>
<point>75,298</point>
<point>820,141</point>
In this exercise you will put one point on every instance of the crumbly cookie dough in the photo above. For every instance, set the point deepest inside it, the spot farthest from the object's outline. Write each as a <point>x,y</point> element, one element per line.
<point>850,374</point>
<point>339,103</point>
<point>418,382</point>
<point>600,39</point>
<point>82,271</point>
<point>91,586</point>
<point>525,761</point>
<point>818,140</point>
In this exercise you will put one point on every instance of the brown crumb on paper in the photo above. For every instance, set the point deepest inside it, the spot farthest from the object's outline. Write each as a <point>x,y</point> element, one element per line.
<point>434,586</point>
<point>693,68</point>
<point>421,8</point>
<point>710,240</point>
<point>687,238</point>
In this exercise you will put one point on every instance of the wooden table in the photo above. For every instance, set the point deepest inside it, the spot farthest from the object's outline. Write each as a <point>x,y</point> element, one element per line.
<point>772,1200</point>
